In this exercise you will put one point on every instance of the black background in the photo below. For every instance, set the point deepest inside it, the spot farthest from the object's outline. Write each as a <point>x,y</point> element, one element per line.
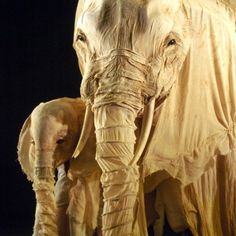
<point>37,63</point>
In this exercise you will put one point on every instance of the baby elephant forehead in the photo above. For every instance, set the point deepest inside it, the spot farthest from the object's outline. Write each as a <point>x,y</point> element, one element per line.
<point>47,114</point>
<point>46,126</point>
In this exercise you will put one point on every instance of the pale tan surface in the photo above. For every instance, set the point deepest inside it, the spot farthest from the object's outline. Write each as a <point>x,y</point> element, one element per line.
<point>195,124</point>
<point>200,113</point>
<point>40,153</point>
<point>49,122</point>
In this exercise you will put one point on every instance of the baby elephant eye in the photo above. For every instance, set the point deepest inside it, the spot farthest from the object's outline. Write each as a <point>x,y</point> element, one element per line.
<point>171,42</point>
<point>81,37</point>
<point>60,141</point>
<point>32,142</point>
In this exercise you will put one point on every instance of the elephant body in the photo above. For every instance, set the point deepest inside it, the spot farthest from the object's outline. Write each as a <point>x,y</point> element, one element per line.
<point>164,196</point>
<point>172,64</point>
<point>47,139</point>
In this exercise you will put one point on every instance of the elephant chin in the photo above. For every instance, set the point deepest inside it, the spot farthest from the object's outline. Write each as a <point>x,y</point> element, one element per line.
<point>45,214</point>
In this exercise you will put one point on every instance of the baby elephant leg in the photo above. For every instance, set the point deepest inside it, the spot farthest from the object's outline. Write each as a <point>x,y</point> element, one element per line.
<point>62,188</point>
<point>78,210</point>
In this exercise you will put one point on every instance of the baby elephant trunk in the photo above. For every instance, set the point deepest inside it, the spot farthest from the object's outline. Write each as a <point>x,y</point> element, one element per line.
<point>45,214</point>
<point>115,133</point>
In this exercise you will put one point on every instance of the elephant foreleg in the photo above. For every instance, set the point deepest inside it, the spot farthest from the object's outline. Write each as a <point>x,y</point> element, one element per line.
<point>62,188</point>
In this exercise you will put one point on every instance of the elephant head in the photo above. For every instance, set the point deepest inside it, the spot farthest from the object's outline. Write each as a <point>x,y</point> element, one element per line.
<point>130,54</point>
<point>47,139</point>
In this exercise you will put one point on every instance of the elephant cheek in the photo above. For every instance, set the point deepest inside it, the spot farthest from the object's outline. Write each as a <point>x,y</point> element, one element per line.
<point>115,134</point>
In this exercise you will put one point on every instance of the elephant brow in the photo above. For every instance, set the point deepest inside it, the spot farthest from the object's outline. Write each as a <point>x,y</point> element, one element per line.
<point>109,15</point>
<point>142,19</point>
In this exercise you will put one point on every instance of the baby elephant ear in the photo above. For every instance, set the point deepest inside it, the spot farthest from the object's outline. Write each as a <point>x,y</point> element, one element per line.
<point>23,149</point>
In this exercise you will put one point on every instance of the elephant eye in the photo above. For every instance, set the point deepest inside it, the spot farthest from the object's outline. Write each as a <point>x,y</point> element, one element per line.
<point>81,37</point>
<point>60,141</point>
<point>171,42</point>
<point>32,142</point>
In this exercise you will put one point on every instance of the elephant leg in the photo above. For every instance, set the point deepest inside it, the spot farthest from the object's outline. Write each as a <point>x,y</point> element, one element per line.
<point>78,229</point>
<point>62,188</point>
<point>210,201</point>
<point>158,225</point>
<point>77,210</point>
<point>62,221</point>
<point>169,195</point>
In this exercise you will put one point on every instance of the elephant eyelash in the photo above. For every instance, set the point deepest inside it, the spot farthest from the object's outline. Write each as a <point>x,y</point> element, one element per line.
<point>171,42</point>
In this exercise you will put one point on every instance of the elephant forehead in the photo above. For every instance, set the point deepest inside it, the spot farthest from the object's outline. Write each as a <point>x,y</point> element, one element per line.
<point>47,126</point>
<point>105,15</point>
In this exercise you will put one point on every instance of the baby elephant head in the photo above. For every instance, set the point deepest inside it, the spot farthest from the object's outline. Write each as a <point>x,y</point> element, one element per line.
<point>47,139</point>
<point>49,136</point>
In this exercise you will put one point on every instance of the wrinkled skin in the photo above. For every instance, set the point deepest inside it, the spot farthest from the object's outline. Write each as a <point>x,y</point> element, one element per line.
<point>158,203</point>
<point>122,74</point>
<point>47,139</point>
<point>83,169</point>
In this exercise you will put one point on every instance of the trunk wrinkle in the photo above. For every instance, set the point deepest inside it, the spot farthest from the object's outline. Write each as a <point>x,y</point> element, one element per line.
<point>44,172</point>
<point>120,181</point>
<point>44,160</point>
<point>45,215</point>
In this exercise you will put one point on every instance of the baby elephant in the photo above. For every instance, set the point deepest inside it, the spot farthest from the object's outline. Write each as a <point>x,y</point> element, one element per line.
<point>47,139</point>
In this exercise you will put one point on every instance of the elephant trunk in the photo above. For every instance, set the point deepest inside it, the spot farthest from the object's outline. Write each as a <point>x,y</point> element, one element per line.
<point>115,134</point>
<point>118,93</point>
<point>43,185</point>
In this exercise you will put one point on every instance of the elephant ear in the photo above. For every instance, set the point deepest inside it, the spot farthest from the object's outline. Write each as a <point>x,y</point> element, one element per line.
<point>232,3</point>
<point>23,149</point>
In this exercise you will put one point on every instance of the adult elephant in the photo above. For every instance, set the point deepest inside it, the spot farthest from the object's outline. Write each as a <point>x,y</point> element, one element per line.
<point>47,139</point>
<point>177,58</point>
